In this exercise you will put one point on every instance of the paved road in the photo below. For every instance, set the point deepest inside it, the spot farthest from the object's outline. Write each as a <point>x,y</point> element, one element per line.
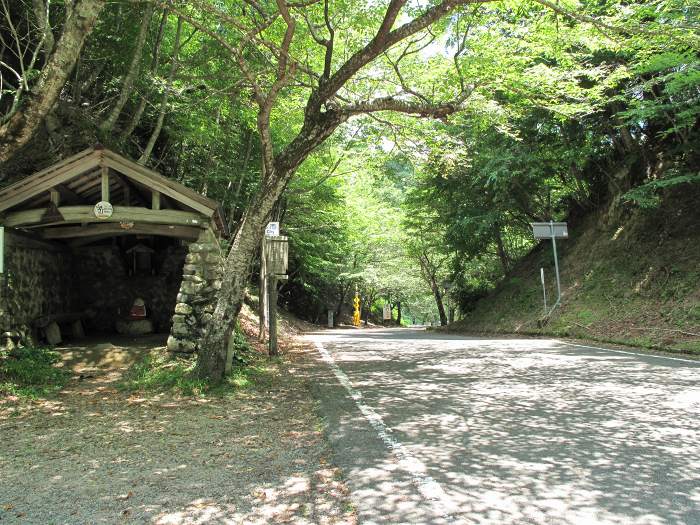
<point>433,428</point>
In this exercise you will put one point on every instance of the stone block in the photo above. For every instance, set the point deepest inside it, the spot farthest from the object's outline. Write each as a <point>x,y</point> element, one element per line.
<point>183,298</point>
<point>77,330</point>
<point>137,327</point>
<point>193,278</point>
<point>200,247</point>
<point>183,309</point>
<point>180,329</point>
<point>176,344</point>
<point>53,334</point>
<point>191,288</point>
<point>212,258</point>
<point>193,258</point>
<point>191,269</point>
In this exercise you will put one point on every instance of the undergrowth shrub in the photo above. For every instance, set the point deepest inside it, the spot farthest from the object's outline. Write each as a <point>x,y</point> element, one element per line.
<point>160,371</point>
<point>31,372</point>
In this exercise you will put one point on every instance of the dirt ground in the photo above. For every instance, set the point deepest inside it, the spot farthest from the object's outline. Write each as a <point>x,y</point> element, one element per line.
<point>95,454</point>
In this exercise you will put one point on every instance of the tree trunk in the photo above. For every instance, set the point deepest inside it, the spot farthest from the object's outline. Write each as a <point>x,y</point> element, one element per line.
<point>236,267</point>
<point>41,12</point>
<point>502,254</point>
<point>131,73</point>
<point>164,102</point>
<point>20,129</point>
<point>136,117</point>
<point>398,313</point>
<point>262,302</point>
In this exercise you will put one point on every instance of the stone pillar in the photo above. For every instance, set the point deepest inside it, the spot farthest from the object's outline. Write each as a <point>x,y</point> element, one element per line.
<point>195,302</point>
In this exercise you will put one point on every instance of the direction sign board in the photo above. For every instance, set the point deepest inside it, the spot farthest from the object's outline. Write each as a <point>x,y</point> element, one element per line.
<point>387,312</point>
<point>272,229</point>
<point>547,230</point>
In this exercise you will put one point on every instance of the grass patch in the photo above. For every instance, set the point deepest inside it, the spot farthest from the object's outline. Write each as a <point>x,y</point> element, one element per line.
<point>160,371</point>
<point>30,372</point>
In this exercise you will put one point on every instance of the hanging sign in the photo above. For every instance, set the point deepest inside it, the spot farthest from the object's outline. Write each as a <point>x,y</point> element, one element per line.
<point>103,210</point>
<point>387,312</point>
<point>272,229</point>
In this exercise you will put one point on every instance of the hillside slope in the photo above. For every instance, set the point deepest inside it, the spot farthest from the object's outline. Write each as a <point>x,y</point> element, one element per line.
<point>628,276</point>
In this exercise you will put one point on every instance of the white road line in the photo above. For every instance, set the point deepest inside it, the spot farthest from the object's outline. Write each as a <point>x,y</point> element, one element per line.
<point>635,353</point>
<point>427,486</point>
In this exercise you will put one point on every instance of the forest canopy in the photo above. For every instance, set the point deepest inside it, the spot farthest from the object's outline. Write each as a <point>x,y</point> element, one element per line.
<point>404,146</point>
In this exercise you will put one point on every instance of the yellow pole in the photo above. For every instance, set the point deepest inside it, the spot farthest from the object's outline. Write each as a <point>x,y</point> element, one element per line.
<point>356,304</point>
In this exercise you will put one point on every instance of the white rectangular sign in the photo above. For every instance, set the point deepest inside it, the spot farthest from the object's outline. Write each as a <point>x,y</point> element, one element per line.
<point>272,229</point>
<point>387,312</point>
<point>547,230</point>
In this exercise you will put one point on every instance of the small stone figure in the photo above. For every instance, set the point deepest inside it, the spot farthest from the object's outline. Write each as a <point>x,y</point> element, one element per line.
<point>138,310</point>
<point>136,323</point>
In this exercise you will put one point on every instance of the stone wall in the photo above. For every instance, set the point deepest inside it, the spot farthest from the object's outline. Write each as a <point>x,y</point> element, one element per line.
<point>37,282</point>
<point>106,287</point>
<point>195,302</point>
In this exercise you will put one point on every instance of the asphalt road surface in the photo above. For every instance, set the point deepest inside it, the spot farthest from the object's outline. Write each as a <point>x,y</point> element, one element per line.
<point>432,428</point>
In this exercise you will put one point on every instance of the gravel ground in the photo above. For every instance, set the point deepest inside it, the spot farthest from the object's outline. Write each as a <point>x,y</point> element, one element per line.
<point>97,455</point>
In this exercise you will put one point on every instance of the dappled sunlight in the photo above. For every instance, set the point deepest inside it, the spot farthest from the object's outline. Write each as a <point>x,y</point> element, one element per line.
<point>529,430</point>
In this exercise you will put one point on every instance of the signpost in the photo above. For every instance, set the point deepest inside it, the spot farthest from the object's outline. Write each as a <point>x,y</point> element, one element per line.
<point>272,229</point>
<point>387,312</point>
<point>276,256</point>
<point>551,230</point>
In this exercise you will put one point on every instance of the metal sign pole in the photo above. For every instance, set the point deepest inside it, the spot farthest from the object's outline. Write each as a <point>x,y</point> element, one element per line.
<point>556,263</point>
<point>544,290</point>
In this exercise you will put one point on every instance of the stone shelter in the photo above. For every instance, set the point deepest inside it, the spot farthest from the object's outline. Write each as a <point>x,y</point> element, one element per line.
<point>98,243</point>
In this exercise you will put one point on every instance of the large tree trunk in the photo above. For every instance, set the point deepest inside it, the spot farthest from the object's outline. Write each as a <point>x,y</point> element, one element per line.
<point>20,129</point>
<point>398,313</point>
<point>430,276</point>
<point>131,73</point>
<point>212,353</point>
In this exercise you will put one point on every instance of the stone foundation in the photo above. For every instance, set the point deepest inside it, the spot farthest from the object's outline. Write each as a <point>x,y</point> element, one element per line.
<point>195,302</point>
<point>37,282</point>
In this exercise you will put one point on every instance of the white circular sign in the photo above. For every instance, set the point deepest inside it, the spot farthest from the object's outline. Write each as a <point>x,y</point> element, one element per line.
<point>103,210</point>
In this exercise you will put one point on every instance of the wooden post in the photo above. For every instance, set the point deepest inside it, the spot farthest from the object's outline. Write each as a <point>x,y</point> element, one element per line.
<point>272,313</point>
<point>155,200</point>
<point>105,183</point>
<point>55,197</point>
<point>262,296</point>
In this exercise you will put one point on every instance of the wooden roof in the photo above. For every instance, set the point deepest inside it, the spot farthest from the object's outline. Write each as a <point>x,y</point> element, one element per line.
<point>76,184</point>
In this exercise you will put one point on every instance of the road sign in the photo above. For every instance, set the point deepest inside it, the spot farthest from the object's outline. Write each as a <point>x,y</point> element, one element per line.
<point>547,230</point>
<point>551,230</point>
<point>272,229</point>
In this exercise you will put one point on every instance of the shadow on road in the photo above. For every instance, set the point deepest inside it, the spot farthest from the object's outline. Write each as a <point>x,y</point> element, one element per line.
<point>518,430</point>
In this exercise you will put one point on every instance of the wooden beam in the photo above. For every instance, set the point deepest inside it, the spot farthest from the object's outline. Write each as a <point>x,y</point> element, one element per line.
<point>48,178</point>
<point>109,230</point>
<point>105,183</point>
<point>161,184</point>
<point>67,194</point>
<point>55,197</point>
<point>85,214</point>
<point>155,200</point>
